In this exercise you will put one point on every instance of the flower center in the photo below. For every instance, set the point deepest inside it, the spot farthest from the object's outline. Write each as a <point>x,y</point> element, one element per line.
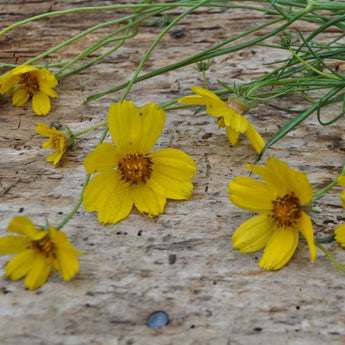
<point>30,82</point>
<point>135,167</point>
<point>44,246</point>
<point>58,142</point>
<point>286,210</point>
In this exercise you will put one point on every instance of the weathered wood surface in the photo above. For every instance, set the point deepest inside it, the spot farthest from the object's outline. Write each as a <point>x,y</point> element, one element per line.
<point>213,294</point>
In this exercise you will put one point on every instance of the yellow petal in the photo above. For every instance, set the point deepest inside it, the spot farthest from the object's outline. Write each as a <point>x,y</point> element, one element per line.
<point>341,181</point>
<point>153,120</point>
<point>250,194</point>
<point>20,265</point>
<point>172,171</point>
<point>135,130</point>
<point>47,81</point>
<point>235,120</point>
<point>24,226</point>
<point>20,96</point>
<point>340,234</point>
<point>38,273</point>
<point>215,106</point>
<point>232,136</point>
<point>279,249</point>
<point>44,129</point>
<point>284,180</point>
<point>255,138</point>
<point>12,78</point>
<point>305,225</point>
<point>41,103</point>
<point>253,234</point>
<point>109,196</point>
<point>104,157</point>
<point>68,263</point>
<point>125,126</point>
<point>147,201</point>
<point>55,157</point>
<point>13,244</point>
<point>7,82</point>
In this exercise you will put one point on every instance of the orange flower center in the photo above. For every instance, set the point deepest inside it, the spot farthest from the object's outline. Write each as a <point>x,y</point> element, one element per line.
<point>29,81</point>
<point>286,210</point>
<point>44,246</point>
<point>58,142</point>
<point>135,168</point>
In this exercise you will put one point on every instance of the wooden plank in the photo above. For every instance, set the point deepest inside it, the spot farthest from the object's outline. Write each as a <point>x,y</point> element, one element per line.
<point>180,262</point>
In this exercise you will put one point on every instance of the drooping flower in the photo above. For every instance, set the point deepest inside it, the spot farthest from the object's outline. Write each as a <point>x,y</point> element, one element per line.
<point>25,81</point>
<point>37,252</point>
<point>283,200</point>
<point>128,173</point>
<point>228,114</point>
<point>59,140</point>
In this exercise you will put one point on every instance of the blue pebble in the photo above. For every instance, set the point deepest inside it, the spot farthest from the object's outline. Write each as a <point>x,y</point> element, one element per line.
<point>158,319</point>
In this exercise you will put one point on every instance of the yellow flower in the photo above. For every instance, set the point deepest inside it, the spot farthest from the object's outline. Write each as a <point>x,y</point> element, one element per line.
<point>25,81</point>
<point>37,251</point>
<point>340,234</point>
<point>228,114</point>
<point>341,182</point>
<point>283,200</point>
<point>129,174</point>
<point>57,141</point>
<point>340,230</point>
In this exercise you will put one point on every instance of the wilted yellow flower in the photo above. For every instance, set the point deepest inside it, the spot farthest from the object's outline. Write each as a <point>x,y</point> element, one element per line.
<point>228,114</point>
<point>283,200</point>
<point>59,140</point>
<point>129,174</point>
<point>25,81</point>
<point>37,251</point>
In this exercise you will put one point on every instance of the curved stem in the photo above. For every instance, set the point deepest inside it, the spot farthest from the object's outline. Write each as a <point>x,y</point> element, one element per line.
<point>330,257</point>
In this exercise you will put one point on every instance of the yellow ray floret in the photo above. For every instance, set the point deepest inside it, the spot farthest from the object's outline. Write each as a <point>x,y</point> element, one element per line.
<point>128,173</point>
<point>282,200</point>
<point>227,116</point>
<point>26,81</point>
<point>37,252</point>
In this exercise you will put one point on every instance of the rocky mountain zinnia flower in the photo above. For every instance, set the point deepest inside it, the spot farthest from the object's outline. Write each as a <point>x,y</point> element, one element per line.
<point>282,201</point>
<point>229,115</point>
<point>128,173</point>
<point>59,140</point>
<point>37,251</point>
<point>25,81</point>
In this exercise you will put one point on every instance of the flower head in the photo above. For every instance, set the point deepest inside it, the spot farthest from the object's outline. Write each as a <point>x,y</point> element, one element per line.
<point>37,251</point>
<point>25,81</point>
<point>128,173</point>
<point>282,201</point>
<point>59,140</point>
<point>228,114</point>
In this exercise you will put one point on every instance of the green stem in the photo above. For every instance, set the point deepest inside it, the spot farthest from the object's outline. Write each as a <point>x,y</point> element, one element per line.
<point>326,239</point>
<point>76,207</point>
<point>213,51</point>
<point>78,134</point>
<point>330,257</point>
<point>318,195</point>
<point>154,44</point>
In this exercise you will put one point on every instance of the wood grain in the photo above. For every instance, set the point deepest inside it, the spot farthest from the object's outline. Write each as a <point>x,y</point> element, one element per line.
<point>182,261</point>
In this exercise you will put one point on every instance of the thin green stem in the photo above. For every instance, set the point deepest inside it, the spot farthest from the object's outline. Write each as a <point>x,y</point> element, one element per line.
<point>154,44</point>
<point>318,195</point>
<point>78,134</point>
<point>76,207</point>
<point>330,257</point>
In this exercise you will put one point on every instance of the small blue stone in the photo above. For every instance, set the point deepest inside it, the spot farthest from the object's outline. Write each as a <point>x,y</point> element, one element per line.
<point>158,319</point>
